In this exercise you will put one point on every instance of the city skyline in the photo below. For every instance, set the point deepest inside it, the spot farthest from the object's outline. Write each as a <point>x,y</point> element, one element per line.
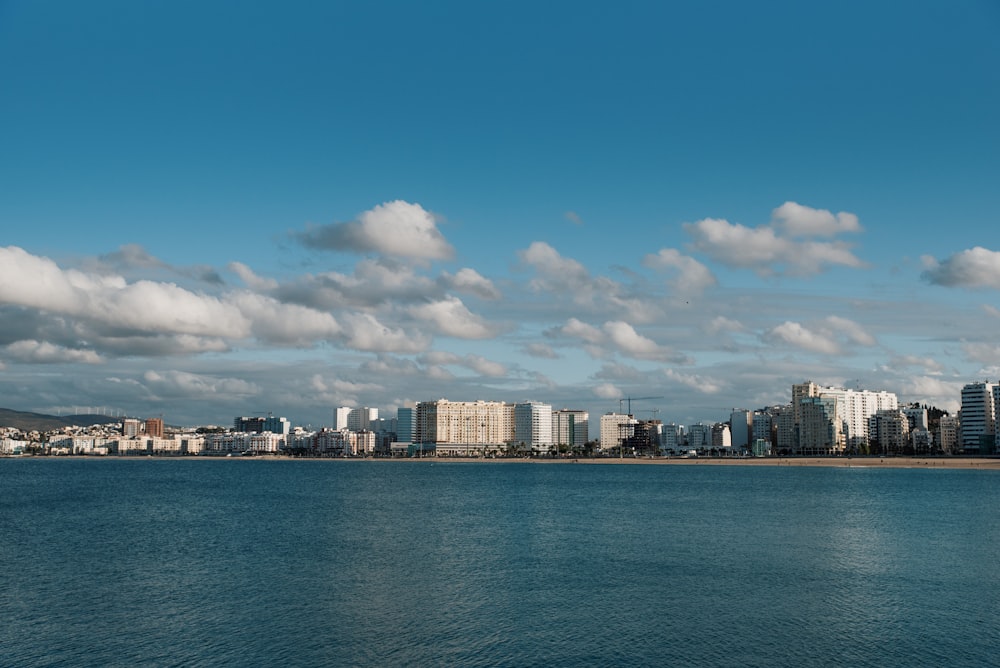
<point>238,209</point>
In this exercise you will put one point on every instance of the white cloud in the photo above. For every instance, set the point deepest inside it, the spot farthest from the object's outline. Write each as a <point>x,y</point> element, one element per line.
<point>541,350</point>
<point>452,318</point>
<point>252,280</point>
<point>630,342</point>
<point>691,276</point>
<point>42,352</point>
<point>145,306</point>
<point>397,228</point>
<point>607,391</point>
<point>983,353</point>
<point>765,251</point>
<point>198,386</point>
<point>854,332</point>
<point>365,332</point>
<point>472,282</point>
<point>795,334</point>
<point>476,363</point>
<point>701,384</point>
<point>280,323</point>
<point>547,261</point>
<point>720,324</point>
<point>799,221</point>
<point>973,268</point>
<point>582,330</point>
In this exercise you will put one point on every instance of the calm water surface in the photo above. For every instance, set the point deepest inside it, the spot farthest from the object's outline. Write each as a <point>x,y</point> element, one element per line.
<point>327,563</point>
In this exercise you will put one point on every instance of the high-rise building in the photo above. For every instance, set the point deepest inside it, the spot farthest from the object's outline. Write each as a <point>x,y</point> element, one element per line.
<point>131,427</point>
<point>741,428</point>
<point>355,419</point>
<point>445,422</point>
<point>404,425</point>
<point>820,426</point>
<point>258,424</point>
<point>978,418</point>
<point>570,427</point>
<point>533,425</point>
<point>615,428</point>
<point>154,427</point>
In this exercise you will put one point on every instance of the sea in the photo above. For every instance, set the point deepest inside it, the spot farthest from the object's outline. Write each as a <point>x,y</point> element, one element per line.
<point>245,562</point>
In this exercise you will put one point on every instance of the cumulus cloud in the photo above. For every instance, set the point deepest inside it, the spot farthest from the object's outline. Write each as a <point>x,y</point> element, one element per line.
<point>983,353</point>
<point>630,342</point>
<point>541,350</point>
<point>607,391</point>
<point>252,280</point>
<point>145,306</point>
<point>617,334</point>
<point>452,318</point>
<point>776,248</point>
<point>275,322</point>
<point>397,228</point>
<point>547,262</point>
<point>851,330</point>
<point>973,268</point>
<point>720,324</point>
<point>476,363</point>
<point>472,282</point>
<point>794,334</point>
<point>197,386</point>
<point>802,221</point>
<point>42,352</point>
<point>701,384</point>
<point>581,330</point>
<point>690,276</point>
<point>365,332</point>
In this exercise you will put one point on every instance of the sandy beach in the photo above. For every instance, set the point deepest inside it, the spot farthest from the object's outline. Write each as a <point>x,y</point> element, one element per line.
<point>882,462</point>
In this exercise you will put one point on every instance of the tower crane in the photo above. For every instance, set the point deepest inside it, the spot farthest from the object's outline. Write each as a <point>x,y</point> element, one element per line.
<point>629,399</point>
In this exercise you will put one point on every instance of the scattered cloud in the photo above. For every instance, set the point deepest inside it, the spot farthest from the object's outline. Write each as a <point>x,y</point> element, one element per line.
<point>472,282</point>
<point>794,334</point>
<point>973,268</point>
<point>451,318</point>
<point>607,391</point>
<point>541,350</point>
<point>41,352</point>
<point>776,248</point>
<point>252,280</point>
<point>397,229</point>
<point>690,276</point>
<point>573,217</point>
<point>797,220</point>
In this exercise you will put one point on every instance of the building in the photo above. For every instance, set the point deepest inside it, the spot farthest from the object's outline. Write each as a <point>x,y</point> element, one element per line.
<point>761,429</point>
<point>404,425</point>
<point>947,433</point>
<point>533,426</point>
<point>741,428</point>
<point>699,436</point>
<point>978,418</point>
<point>131,427</point>
<point>154,427</point>
<point>615,428</point>
<point>260,424</point>
<point>891,432</point>
<point>355,419</point>
<point>464,427</point>
<point>570,427</point>
<point>819,427</point>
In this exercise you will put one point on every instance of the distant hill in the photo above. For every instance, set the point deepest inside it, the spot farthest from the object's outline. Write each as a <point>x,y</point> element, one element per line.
<point>39,422</point>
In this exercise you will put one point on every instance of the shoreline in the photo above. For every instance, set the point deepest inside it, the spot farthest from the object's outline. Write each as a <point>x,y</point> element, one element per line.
<point>970,463</point>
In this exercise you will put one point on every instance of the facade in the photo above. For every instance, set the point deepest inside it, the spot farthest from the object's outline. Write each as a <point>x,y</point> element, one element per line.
<point>154,427</point>
<point>404,425</point>
<point>820,427</point>
<point>570,427</point>
<point>464,423</point>
<point>761,430</point>
<point>615,428</point>
<point>699,436</point>
<point>891,431</point>
<point>533,425</point>
<point>741,428</point>
<point>258,424</point>
<point>131,427</point>
<point>947,433</point>
<point>978,417</point>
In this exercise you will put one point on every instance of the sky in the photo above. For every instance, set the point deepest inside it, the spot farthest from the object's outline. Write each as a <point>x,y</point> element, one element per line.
<point>228,208</point>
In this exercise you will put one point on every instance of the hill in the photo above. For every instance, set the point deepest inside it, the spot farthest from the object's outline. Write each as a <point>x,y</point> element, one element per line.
<point>39,422</point>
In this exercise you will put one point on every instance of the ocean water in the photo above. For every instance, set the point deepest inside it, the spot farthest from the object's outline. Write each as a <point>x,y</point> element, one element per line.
<point>154,562</point>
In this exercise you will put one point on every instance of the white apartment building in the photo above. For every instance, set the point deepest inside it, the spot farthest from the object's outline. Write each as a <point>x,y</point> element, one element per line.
<point>533,425</point>
<point>473,423</point>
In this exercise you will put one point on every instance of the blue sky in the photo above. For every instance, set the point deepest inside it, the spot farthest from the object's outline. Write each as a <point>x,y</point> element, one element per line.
<point>210,209</point>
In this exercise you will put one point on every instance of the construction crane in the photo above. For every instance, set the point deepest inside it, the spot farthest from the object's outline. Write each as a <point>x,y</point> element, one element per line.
<point>629,399</point>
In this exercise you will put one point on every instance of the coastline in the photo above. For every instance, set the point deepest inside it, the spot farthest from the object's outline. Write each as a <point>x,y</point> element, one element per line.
<point>971,463</point>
